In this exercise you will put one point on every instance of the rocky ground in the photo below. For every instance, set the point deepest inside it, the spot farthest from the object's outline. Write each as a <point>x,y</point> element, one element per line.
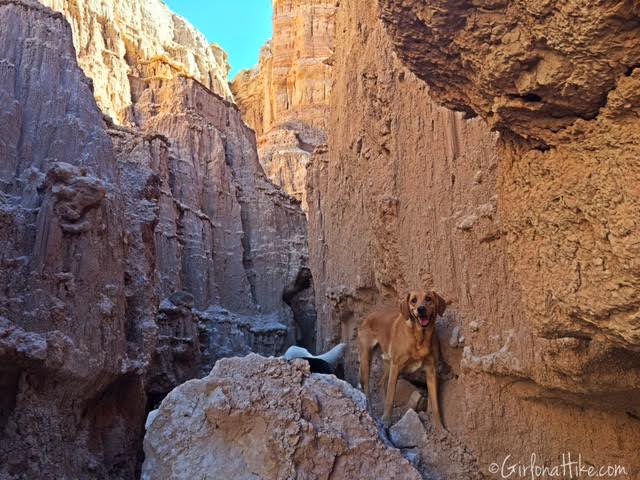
<point>263,418</point>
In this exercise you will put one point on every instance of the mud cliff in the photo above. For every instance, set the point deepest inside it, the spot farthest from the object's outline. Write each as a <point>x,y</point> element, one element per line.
<point>529,232</point>
<point>137,250</point>
<point>285,97</point>
<point>572,232</point>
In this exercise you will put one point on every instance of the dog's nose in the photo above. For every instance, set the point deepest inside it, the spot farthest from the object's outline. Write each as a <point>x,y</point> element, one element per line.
<point>422,310</point>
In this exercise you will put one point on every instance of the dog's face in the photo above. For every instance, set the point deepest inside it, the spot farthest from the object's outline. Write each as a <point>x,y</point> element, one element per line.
<point>422,307</point>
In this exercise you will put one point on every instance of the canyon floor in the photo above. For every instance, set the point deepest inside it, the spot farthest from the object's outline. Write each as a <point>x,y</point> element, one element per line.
<point>166,233</point>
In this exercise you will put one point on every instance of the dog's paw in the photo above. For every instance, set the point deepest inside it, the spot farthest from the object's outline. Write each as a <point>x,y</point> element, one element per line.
<point>439,429</point>
<point>386,421</point>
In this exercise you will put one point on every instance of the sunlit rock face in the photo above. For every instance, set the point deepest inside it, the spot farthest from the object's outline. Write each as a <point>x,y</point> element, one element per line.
<point>219,221</point>
<point>285,97</point>
<point>561,81</point>
<point>293,78</point>
<point>117,38</point>
<point>534,245</point>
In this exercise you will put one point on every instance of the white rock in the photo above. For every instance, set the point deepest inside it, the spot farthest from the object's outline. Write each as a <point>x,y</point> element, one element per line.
<point>408,432</point>
<point>254,417</point>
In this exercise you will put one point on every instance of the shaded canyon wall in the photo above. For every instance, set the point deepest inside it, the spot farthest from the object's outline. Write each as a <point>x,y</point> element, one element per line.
<point>136,249</point>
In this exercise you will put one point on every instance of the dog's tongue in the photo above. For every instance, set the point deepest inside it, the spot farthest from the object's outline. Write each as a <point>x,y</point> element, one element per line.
<point>424,321</point>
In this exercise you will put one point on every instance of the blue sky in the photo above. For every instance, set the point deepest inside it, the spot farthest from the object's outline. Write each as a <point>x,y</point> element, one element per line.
<point>240,27</point>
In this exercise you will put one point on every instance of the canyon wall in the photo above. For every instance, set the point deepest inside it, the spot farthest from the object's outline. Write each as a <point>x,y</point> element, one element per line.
<point>567,108</point>
<point>65,359</point>
<point>114,41</point>
<point>285,97</point>
<point>530,234</point>
<point>136,250</point>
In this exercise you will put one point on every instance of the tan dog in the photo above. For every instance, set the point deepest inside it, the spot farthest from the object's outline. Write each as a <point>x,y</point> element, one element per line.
<point>408,342</point>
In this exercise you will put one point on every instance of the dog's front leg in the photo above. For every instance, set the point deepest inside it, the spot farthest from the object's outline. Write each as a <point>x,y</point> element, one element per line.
<point>432,386</point>
<point>365,367</point>
<point>394,371</point>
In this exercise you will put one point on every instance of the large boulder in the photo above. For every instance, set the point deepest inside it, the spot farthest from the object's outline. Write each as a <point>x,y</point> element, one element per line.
<point>254,417</point>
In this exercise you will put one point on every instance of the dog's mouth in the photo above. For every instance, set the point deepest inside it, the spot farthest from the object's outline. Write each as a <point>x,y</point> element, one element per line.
<point>424,321</point>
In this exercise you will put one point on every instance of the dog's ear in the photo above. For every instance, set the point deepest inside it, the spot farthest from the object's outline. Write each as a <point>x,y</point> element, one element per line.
<point>404,306</point>
<point>441,305</point>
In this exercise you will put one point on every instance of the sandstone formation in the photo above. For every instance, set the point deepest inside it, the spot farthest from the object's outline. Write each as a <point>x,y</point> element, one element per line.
<point>133,256</point>
<point>533,241</point>
<point>115,40</point>
<point>64,363</point>
<point>533,68</point>
<point>270,419</point>
<point>285,97</point>
<point>570,219</point>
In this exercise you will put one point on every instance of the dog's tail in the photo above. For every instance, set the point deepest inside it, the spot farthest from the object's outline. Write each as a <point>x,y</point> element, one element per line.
<point>297,352</point>
<point>334,355</point>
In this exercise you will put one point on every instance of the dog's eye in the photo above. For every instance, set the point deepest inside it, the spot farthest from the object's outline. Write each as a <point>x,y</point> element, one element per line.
<point>414,300</point>
<point>427,299</point>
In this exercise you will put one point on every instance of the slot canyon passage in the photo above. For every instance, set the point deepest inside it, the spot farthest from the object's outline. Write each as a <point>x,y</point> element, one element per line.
<point>165,236</point>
